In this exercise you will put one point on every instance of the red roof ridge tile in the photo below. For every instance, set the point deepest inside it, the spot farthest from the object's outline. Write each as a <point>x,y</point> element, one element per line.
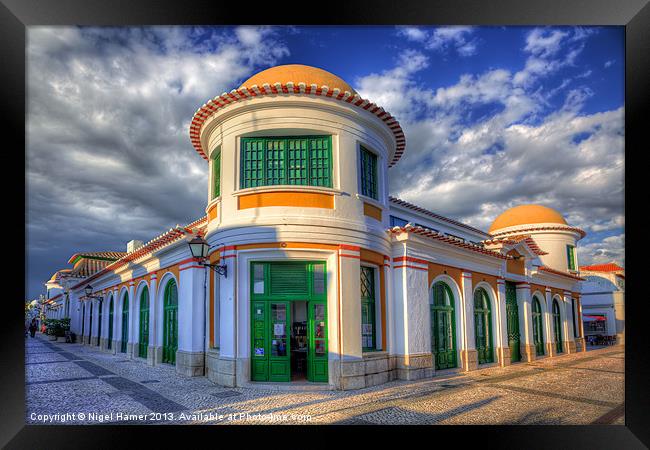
<point>408,228</point>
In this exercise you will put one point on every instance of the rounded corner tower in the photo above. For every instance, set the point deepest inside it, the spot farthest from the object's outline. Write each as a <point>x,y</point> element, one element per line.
<point>297,211</point>
<point>548,228</point>
<point>295,145</point>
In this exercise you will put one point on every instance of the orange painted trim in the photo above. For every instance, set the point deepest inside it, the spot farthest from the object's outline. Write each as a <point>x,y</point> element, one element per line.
<point>212,212</point>
<point>410,259</point>
<point>410,267</point>
<point>437,269</point>
<point>291,198</point>
<point>372,211</point>
<point>372,257</point>
<point>350,256</point>
<point>353,248</point>
<point>478,277</point>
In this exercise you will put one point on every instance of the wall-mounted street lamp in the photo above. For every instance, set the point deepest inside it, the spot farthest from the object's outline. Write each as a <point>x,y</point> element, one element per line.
<point>89,293</point>
<point>199,248</point>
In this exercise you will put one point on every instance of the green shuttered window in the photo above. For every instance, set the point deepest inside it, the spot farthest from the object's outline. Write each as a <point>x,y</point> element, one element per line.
<point>368,308</point>
<point>302,161</point>
<point>216,174</point>
<point>368,168</point>
<point>570,255</point>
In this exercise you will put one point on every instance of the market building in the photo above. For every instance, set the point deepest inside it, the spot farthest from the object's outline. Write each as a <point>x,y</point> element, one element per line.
<point>317,275</point>
<point>603,296</point>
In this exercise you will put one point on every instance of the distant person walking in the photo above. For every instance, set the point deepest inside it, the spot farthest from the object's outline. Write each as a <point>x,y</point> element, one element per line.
<point>32,328</point>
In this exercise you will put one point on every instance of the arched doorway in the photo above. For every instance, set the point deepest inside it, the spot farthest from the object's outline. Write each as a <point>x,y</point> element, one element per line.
<point>557,324</point>
<point>170,323</point>
<point>125,323</point>
<point>99,323</point>
<point>483,326</point>
<point>143,341</point>
<point>538,329</point>
<point>443,326</point>
<point>109,344</point>
<point>512,314</point>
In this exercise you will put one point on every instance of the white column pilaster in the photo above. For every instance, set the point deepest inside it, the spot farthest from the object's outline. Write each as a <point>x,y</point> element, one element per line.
<point>525,321</point>
<point>191,316</point>
<point>469,354</point>
<point>503,346</point>
<point>569,343</point>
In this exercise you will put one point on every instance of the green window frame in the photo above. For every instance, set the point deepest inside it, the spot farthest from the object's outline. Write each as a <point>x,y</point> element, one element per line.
<point>571,255</point>
<point>368,309</point>
<point>286,160</point>
<point>368,176</point>
<point>216,173</point>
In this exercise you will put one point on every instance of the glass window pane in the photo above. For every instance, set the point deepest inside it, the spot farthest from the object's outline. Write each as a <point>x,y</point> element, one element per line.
<point>319,279</point>
<point>319,347</point>
<point>258,278</point>
<point>278,330</point>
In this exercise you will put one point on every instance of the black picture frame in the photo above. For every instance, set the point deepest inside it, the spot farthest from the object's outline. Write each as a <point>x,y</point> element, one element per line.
<point>16,15</point>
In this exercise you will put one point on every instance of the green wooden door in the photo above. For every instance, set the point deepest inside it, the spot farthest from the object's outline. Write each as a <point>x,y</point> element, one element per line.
<point>443,324</point>
<point>557,324</point>
<point>512,313</point>
<point>125,323</point>
<point>280,355</point>
<point>99,323</point>
<point>170,323</point>
<point>143,341</point>
<point>259,338</point>
<point>110,325</point>
<point>274,285</point>
<point>483,327</point>
<point>317,342</point>
<point>538,329</point>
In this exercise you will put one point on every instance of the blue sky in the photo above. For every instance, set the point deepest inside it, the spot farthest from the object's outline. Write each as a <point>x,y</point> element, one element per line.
<point>494,117</point>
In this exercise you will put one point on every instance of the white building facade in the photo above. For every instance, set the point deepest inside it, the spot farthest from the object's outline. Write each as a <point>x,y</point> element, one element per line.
<point>328,280</point>
<point>603,295</point>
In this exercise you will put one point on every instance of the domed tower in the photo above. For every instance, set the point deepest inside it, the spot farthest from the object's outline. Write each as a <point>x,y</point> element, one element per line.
<point>548,228</point>
<point>296,145</point>
<point>297,212</point>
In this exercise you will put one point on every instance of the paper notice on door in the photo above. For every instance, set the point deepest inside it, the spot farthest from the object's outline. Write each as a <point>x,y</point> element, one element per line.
<point>278,329</point>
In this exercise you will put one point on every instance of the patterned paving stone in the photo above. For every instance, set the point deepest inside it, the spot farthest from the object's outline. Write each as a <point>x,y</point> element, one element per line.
<point>106,388</point>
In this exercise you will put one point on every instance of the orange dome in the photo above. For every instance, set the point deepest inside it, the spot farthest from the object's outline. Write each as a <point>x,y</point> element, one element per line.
<point>298,73</point>
<point>526,214</point>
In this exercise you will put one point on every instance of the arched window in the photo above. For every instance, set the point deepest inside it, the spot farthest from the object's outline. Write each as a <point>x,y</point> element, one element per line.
<point>109,344</point>
<point>483,326</point>
<point>443,326</point>
<point>170,323</point>
<point>557,326</point>
<point>99,323</point>
<point>143,342</point>
<point>125,323</point>
<point>538,329</point>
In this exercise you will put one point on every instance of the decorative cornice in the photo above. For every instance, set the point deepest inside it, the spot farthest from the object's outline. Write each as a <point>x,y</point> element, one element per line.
<point>292,88</point>
<point>446,239</point>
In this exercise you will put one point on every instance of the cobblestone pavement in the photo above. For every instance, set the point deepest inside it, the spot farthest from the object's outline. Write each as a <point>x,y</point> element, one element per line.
<point>64,381</point>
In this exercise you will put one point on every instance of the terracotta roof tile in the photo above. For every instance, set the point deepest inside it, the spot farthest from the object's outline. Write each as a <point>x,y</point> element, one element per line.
<point>160,241</point>
<point>607,267</point>
<point>559,272</point>
<point>512,240</point>
<point>446,239</point>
